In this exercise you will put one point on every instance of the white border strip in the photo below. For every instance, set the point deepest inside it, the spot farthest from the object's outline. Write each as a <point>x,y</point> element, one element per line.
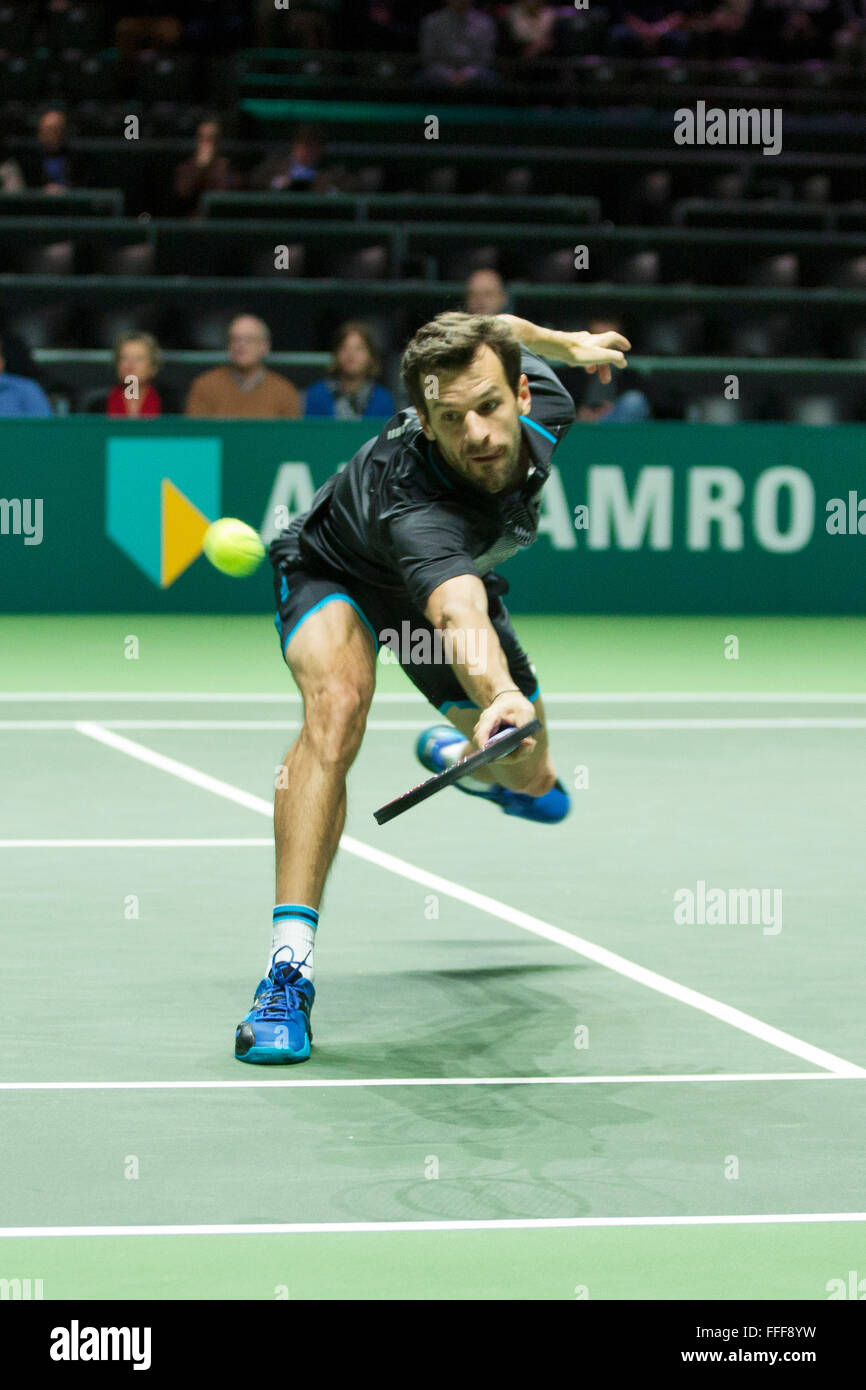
<point>381,725</point>
<point>517,1223</point>
<point>137,844</point>
<point>583,697</point>
<point>329,1083</point>
<point>736,1018</point>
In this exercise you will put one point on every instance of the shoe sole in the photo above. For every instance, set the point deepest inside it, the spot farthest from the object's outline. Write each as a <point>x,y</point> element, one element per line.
<point>266,1056</point>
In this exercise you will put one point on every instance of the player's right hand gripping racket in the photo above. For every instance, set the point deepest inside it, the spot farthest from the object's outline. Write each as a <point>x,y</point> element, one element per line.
<point>499,746</point>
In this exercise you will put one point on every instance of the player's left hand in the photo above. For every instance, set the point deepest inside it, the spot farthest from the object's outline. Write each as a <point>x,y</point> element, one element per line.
<point>595,352</point>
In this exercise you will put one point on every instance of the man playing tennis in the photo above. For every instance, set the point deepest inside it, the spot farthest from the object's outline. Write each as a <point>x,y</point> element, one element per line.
<point>411,530</point>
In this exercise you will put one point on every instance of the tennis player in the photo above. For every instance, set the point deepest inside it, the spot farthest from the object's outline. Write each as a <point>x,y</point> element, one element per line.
<point>406,539</point>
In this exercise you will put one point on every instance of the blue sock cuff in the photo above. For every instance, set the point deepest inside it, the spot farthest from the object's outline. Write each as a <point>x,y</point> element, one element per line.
<point>283,912</point>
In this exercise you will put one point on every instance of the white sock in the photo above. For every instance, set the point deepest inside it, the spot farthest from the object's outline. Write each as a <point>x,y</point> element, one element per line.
<point>294,936</point>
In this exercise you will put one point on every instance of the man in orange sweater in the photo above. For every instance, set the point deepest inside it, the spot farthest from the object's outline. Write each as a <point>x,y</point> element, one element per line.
<point>244,388</point>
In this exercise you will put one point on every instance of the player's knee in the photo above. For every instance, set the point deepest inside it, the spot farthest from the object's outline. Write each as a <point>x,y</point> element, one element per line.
<point>335,716</point>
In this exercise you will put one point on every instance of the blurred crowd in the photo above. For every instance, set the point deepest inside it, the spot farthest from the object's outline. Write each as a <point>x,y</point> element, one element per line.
<point>244,387</point>
<point>460,41</point>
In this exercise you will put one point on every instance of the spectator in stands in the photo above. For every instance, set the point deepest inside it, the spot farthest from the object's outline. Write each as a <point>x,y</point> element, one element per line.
<point>206,171</point>
<point>621,401</point>
<point>147,25</point>
<point>137,360</point>
<point>301,24</point>
<point>296,167</point>
<point>19,396</point>
<point>11,177</point>
<point>644,28</point>
<point>350,391</point>
<point>529,26</point>
<point>785,31</point>
<point>50,166</point>
<point>486,293</point>
<point>457,46</point>
<point>849,41</point>
<point>244,388</point>
<point>716,28</point>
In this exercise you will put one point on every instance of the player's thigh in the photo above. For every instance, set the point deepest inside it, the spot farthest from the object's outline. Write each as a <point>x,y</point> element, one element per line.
<point>332,656</point>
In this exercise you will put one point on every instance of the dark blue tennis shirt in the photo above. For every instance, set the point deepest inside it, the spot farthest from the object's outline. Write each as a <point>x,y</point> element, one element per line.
<point>400,518</point>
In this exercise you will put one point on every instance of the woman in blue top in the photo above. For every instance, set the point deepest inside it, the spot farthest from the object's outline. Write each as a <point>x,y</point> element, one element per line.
<point>350,391</point>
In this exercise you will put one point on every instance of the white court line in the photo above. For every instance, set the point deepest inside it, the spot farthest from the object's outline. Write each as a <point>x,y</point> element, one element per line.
<point>586,697</point>
<point>516,1223</point>
<point>724,1012</point>
<point>137,844</point>
<point>256,1083</point>
<point>390,725</point>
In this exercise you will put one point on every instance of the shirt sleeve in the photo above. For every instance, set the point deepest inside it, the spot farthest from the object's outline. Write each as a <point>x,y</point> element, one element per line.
<point>552,405</point>
<point>429,544</point>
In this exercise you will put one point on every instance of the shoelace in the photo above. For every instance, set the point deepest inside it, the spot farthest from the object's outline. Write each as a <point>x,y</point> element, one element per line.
<point>282,996</point>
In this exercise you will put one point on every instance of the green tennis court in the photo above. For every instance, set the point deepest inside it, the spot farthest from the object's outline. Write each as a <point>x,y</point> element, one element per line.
<point>529,1079</point>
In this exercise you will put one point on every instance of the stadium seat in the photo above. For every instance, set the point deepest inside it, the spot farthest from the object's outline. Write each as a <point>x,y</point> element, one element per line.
<point>53,258</point>
<point>45,327</point>
<point>554,267</point>
<point>776,272</point>
<point>262,261</point>
<point>140,318</point>
<point>715,410</point>
<point>21,78</point>
<point>641,268</point>
<point>135,259</point>
<point>814,410</point>
<point>365,263</point>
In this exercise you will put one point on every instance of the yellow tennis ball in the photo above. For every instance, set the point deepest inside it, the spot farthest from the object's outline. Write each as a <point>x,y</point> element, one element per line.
<point>233,547</point>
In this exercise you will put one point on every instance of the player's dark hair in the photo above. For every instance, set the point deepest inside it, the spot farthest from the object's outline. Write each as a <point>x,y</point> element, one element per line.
<point>448,344</point>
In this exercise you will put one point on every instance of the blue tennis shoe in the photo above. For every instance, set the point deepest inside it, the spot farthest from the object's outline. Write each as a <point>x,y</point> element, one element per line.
<point>277,1027</point>
<point>554,806</point>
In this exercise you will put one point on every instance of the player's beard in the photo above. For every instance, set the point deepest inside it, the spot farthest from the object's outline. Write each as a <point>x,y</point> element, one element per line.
<point>503,474</point>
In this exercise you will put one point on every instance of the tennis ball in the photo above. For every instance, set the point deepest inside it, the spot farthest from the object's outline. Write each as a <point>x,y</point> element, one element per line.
<point>233,547</point>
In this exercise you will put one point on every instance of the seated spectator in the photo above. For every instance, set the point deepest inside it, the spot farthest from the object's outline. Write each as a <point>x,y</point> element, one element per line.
<point>11,177</point>
<point>350,391</point>
<point>486,293</point>
<point>645,28</point>
<point>529,26</point>
<point>244,388</point>
<point>147,25</point>
<point>621,401</point>
<point>301,24</point>
<point>457,46</point>
<point>717,28</point>
<point>849,41</point>
<point>137,360</point>
<point>19,396</point>
<point>786,31</point>
<point>50,167</point>
<point>296,167</point>
<point>206,171</point>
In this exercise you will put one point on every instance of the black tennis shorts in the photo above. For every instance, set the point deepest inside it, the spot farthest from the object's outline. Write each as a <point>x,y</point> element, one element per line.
<point>393,621</point>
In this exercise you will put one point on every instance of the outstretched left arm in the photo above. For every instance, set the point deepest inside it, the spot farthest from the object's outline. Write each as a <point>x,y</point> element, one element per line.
<point>592,351</point>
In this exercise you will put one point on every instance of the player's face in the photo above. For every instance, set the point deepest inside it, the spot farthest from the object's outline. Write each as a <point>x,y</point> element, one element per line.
<point>475,420</point>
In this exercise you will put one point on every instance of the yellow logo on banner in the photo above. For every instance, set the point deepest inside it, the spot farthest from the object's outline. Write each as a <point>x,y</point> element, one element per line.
<point>183,528</point>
